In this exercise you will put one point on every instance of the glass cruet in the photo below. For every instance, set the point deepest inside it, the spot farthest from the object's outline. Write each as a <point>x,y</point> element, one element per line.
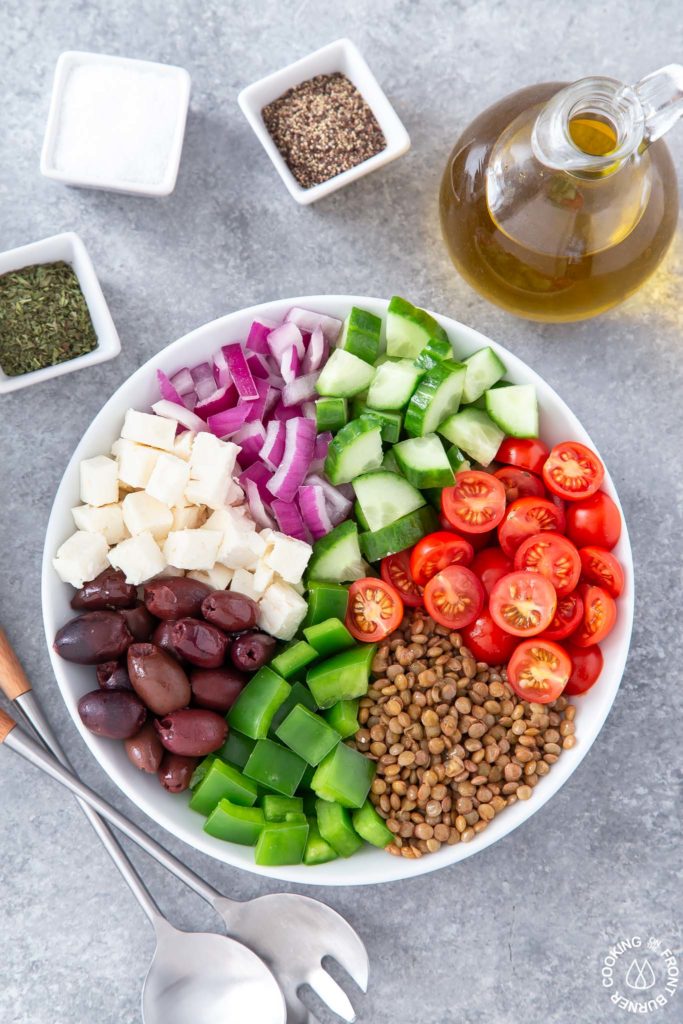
<point>559,201</point>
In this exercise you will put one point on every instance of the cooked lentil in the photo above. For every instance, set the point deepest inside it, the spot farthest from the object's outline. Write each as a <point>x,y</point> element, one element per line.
<point>492,747</point>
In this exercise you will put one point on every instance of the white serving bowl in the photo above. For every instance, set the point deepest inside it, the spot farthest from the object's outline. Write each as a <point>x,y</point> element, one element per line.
<point>558,423</point>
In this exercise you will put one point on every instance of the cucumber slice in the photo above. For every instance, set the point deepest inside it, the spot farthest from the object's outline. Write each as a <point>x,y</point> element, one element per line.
<point>409,329</point>
<point>384,497</point>
<point>481,401</point>
<point>355,449</point>
<point>392,422</point>
<point>344,375</point>
<point>475,433</point>
<point>389,462</point>
<point>436,397</point>
<point>358,405</point>
<point>514,409</point>
<point>423,461</point>
<point>434,352</point>
<point>484,368</point>
<point>359,516</point>
<point>399,535</point>
<point>331,414</point>
<point>457,459</point>
<point>360,334</point>
<point>336,557</point>
<point>393,384</point>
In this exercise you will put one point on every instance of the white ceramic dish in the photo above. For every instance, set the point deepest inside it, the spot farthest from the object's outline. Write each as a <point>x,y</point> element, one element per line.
<point>368,865</point>
<point>177,85</point>
<point>344,56</point>
<point>68,247</point>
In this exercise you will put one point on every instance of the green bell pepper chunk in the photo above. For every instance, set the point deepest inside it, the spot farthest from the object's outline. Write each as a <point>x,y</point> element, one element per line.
<point>294,658</point>
<point>343,717</point>
<point>329,637</point>
<point>307,734</point>
<point>334,822</point>
<point>341,677</point>
<point>236,749</point>
<point>275,807</point>
<point>235,824</point>
<point>368,824</point>
<point>275,767</point>
<point>281,842</point>
<point>202,770</point>
<point>344,775</point>
<point>222,781</point>
<point>253,710</point>
<point>325,601</point>
<point>299,694</point>
<point>296,816</point>
<point>318,850</point>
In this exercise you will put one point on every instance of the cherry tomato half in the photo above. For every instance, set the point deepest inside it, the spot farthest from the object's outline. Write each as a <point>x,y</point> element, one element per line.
<point>594,521</point>
<point>489,565</point>
<point>523,452</point>
<point>572,471</point>
<point>523,603</point>
<point>375,609</point>
<point>475,503</point>
<point>487,641</point>
<point>526,517</point>
<point>395,569</point>
<point>599,615</point>
<point>454,597</point>
<point>601,567</point>
<point>539,670</point>
<point>553,556</point>
<point>567,618</point>
<point>437,550</point>
<point>587,666</point>
<point>519,483</point>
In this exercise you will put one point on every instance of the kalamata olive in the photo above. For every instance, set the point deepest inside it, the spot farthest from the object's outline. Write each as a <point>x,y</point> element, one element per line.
<point>175,597</point>
<point>162,637</point>
<point>145,749</point>
<point>176,771</point>
<point>252,650</point>
<point>157,679</point>
<point>108,590</point>
<point>116,714</point>
<point>231,612</point>
<point>140,622</point>
<point>193,732</point>
<point>112,675</point>
<point>93,637</point>
<point>199,643</point>
<point>216,688</point>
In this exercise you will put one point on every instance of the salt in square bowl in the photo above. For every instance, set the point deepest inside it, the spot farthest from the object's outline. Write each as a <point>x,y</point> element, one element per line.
<point>341,56</point>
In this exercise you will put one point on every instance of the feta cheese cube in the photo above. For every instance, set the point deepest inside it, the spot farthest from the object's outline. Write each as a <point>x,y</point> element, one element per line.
<point>138,557</point>
<point>235,494</point>
<point>211,491</point>
<point>99,481</point>
<point>147,428</point>
<point>192,549</point>
<point>168,480</point>
<point>288,557</point>
<point>243,583</point>
<point>107,520</point>
<point>183,444</point>
<point>263,577</point>
<point>170,570</point>
<point>136,462</point>
<point>281,610</point>
<point>188,517</point>
<point>80,558</point>
<point>240,549</point>
<point>212,457</point>
<point>219,577</point>
<point>142,513</point>
<point>230,518</point>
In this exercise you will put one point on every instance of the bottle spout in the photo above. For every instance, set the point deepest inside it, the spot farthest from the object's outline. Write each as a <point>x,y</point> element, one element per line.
<point>661,97</point>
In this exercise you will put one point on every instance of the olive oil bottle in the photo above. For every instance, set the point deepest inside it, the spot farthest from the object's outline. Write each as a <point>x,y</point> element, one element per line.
<point>558,202</point>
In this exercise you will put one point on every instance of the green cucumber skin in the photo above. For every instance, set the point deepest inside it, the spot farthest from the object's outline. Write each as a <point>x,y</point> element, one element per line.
<point>331,414</point>
<point>383,497</point>
<point>447,374</point>
<point>402,318</point>
<point>321,566</point>
<point>361,334</point>
<point>392,422</point>
<point>509,419</point>
<point>423,462</point>
<point>400,535</point>
<point>435,351</point>
<point>340,452</point>
<point>484,369</point>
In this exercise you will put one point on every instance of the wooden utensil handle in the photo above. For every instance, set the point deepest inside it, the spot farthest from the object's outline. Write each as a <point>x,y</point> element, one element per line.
<point>13,680</point>
<point>6,725</point>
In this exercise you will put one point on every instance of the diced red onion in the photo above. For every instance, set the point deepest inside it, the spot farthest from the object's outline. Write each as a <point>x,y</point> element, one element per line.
<point>217,401</point>
<point>308,409</point>
<point>290,364</point>
<point>221,370</point>
<point>274,445</point>
<point>250,438</point>
<point>204,382</point>
<point>314,510</point>
<point>287,412</point>
<point>307,320</point>
<point>258,366</point>
<point>259,475</point>
<point>338,505</point>
<point>184,416</point>
<point>182,381</point>
<point>258,335</point>
<point>257,508</point>
<point>190,401</point>
<point>282,337</point>
<point>299,445</point>
<point>300,390</point>
<point>225,423</point>
<point>289,519</point>
<point>322,444</point>
<point>240,372</point>
<point>167,391</point>
<point>316,351</point>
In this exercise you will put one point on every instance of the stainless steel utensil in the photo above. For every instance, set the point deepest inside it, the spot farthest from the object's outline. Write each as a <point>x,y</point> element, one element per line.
<point>291,933</point>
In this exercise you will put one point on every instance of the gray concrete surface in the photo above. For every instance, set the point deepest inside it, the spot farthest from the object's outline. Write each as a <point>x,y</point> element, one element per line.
<point>518,932</point>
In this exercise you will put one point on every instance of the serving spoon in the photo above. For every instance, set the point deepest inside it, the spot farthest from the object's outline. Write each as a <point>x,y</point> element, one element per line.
<point>291,933</point>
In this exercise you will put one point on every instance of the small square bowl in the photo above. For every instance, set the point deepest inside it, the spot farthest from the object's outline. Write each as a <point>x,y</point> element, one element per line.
<point>68,247</point>
<point>176,76</point>
<point>345,57</point>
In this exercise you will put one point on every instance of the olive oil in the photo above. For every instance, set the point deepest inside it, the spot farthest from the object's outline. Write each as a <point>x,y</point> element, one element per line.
<point>548,243</point>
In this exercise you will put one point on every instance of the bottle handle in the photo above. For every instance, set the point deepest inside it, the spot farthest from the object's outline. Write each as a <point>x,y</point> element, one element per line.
<point>661,97</point>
